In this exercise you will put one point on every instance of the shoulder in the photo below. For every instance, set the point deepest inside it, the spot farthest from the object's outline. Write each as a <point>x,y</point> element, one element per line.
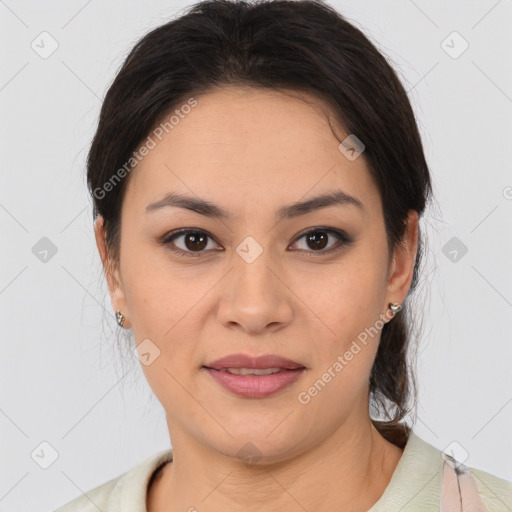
<point>93,499</point>
<point>424,479</point>
<point>126,490</point>
<point>496,493</point>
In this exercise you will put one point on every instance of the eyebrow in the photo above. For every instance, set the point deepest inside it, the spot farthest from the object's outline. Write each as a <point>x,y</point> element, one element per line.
<point>204,207</point>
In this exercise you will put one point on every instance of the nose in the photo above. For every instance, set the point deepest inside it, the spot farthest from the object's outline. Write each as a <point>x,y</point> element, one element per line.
<point>254,297</point>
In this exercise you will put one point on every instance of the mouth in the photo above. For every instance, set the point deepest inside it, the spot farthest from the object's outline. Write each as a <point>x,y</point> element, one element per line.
<point>254,376</point>
<point>254,371</point>
<point>245,362</point>
<point>255,382</point>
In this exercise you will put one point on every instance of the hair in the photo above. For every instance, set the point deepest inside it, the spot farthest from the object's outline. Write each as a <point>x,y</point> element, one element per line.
<point>280,45</point>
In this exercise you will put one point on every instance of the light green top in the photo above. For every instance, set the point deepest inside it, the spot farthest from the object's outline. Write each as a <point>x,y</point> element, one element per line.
<point>415,485</point>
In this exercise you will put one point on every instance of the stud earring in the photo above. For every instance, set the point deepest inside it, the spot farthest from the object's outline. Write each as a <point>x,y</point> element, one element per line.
<point>120,318</point>
<point>395,307</point>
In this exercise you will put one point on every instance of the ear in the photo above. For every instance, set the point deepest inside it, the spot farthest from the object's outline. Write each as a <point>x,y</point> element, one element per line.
<point>402,265</point>
<point>111,270</point>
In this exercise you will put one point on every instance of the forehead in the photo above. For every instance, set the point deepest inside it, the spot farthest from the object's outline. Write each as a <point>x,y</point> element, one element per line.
<point>258,146</point>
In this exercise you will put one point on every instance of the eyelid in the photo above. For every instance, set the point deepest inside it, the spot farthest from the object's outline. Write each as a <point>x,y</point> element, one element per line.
<point>343,240</point>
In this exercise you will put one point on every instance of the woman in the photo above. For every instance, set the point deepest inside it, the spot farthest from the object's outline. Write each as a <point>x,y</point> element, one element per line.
<point>258,179</point>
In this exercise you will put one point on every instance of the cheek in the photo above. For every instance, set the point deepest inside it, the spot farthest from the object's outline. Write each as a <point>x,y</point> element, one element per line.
<point>345,303</point>
<point>344,296</point>
<point>157,295</point>
<point>169,380</point>
<point>347,341</point>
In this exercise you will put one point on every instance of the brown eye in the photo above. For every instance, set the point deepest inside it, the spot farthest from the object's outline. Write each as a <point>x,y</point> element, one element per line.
<point>318,239</point>
<point>193,241</point>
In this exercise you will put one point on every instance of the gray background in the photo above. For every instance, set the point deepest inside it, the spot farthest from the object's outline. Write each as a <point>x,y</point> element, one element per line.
<point>63,381</point>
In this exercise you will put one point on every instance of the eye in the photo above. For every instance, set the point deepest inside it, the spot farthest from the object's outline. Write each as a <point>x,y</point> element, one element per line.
<point>318,238</point>
<point>195,241</point>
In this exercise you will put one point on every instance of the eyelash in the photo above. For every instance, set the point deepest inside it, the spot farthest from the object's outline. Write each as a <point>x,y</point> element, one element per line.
<point>343,239</point>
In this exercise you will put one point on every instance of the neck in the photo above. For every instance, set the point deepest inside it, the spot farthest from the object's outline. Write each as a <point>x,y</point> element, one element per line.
<point>355,465</point>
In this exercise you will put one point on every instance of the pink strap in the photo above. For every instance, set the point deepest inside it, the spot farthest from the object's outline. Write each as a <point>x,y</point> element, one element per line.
<point>459,492</point>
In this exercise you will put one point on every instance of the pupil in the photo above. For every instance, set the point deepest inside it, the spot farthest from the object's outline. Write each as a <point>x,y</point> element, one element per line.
<point>314,239</point>
<point>195,238</point>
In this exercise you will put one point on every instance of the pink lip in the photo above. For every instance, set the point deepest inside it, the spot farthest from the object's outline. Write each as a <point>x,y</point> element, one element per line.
<point>255,386</point>
<point>247,361</point>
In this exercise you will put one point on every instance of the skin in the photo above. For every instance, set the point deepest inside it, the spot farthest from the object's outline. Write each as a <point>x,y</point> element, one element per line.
<point>252,152</point>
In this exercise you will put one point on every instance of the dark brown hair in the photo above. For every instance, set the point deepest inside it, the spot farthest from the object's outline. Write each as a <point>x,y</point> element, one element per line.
<point>302,45</point>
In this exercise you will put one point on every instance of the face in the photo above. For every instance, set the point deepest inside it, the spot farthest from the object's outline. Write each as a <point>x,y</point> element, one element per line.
<point>305,285</point>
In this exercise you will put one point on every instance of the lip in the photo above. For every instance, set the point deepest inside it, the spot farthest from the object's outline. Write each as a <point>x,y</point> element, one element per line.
<point>259,362</point>
<point>255,386</point>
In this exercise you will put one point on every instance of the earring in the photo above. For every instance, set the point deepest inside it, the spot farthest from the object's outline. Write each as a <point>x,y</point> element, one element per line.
<point>120,318</point>
<point>395,307</point>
